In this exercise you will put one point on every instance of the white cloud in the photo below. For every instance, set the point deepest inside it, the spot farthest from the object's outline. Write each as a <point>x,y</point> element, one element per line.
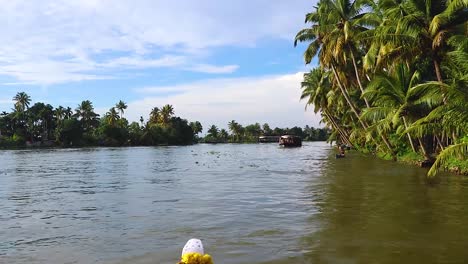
<point>206,68</point>
<point>54,41</point>
<point>271,99</point>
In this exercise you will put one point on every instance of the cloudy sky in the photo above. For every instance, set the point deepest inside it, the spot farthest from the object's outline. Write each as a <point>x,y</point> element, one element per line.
<point>213,60</point>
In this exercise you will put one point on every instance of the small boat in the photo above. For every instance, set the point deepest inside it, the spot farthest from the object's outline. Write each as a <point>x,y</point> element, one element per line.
<point>290,141</point>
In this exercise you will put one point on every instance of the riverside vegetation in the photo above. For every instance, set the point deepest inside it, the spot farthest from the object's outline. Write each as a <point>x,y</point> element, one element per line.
<point>250,133</point>
<point>392,77</point>
<point>43,125</point>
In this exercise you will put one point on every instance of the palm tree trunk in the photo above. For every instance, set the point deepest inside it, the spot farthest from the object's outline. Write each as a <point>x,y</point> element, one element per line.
<point>439,142</point>
<point>355,111</point>
<point>358,78</point>
<point>409,136</point>
<point>343,133</point>
<point>423,149</point>
<point>346,96</point>
<point>439,78</point>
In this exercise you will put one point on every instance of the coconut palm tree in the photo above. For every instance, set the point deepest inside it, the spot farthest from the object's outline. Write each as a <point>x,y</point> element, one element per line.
<point>315,89</point>
<point>68,112</point>
<point>166,113</point>
<point>213,131</point>
<point>197,127</point>
<point>112,116</point>
<point>328,36</point>
<point>59,113</point>
<point>235,128</point>
<point>155,115</point>
<point>121,106</point>
<point>22,101</point>
<point>223,134</point>
<point>421,29</point>
<point>85,112</point>
<point>394,101</point>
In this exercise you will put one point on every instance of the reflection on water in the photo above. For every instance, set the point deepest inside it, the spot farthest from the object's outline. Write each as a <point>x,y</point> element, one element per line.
<point>249,203</point>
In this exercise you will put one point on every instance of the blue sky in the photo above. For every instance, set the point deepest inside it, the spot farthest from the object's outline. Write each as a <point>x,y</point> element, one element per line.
<point>214,61</point>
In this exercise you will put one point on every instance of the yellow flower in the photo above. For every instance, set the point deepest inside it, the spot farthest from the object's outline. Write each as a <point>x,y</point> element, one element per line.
<point>196,258</point>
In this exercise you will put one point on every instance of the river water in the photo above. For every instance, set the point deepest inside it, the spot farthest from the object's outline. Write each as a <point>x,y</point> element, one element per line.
<point>248,203</point>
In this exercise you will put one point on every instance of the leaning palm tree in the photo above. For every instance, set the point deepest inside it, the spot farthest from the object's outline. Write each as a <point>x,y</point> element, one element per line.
<point>22,101</point>
<point>394,101</point>
<point>326,36</point>
<point>121,106</point>
<point>316,89</point>
<point>459,150</point>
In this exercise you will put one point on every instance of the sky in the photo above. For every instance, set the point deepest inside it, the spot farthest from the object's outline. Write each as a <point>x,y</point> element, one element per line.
<point>214,61</point>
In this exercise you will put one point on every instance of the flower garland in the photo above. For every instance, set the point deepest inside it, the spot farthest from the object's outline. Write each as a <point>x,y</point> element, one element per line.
<point>196,258</point>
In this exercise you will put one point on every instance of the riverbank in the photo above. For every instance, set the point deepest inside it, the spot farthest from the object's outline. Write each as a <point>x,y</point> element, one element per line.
<point>453,165</point>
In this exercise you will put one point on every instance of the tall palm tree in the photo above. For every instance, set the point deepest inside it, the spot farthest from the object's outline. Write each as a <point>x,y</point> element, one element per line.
<point>68,112</point>
<point>85,111</point>
<point>59,114</point>
<point>121,106</point>
<point>316,88</point>
<point>421,29</point>
<point>22,101</point>
<point>235,128</point>
<point>394,101</point>
<point>327,36</point>
<point>166,113</point>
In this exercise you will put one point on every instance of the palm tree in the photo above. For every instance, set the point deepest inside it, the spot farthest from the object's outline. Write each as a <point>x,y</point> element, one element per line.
<point>235,128</point>
<point>22,101</point>
<point>68,112</point>
<point>85,111</point>
<point>112,116</point>
<point>223,134</point>
<point>155,115</point>
<point>59,114</point>
<point>458,150</point>
<point>421,28</point>
<point>196,127</point>
<point>316,88</point>
<point>394,101</point>
<point>328,36</point>
<point>213,131</point>
<point>166,113</point>
<point>121,106</point>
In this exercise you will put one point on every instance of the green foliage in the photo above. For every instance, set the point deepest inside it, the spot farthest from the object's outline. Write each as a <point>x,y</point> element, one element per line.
<point>251,133</point>
<point>392,77</point>
<point>41,124</point>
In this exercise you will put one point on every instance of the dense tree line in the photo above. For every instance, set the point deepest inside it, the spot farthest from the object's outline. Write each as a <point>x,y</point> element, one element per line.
<point>392,76</point>
<point>43,125</point>
<point>250,133</point>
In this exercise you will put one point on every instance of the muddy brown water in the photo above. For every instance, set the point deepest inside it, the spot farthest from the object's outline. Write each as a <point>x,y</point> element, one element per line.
<point>248,203</point>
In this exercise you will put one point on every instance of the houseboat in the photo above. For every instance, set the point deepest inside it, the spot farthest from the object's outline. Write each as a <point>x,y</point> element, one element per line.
<point>290,141</point>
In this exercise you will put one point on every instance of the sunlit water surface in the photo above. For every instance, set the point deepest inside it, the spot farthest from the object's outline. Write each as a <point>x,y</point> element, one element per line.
<point>248,203</point>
